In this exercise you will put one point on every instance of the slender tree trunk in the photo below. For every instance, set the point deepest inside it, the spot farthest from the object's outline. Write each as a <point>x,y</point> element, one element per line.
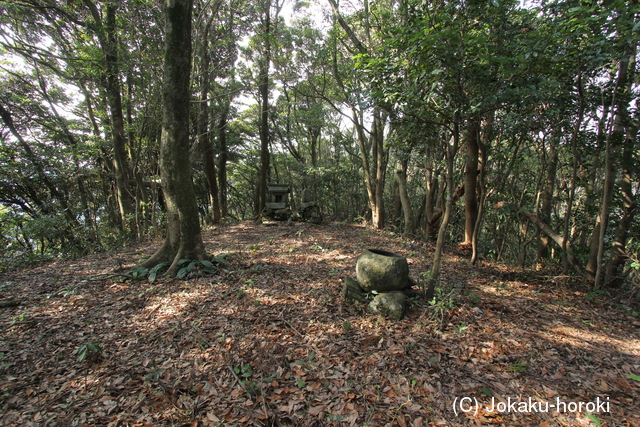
<point>451,151</point>
<point>547,198</point>
<point>141,199</point>
<point>379,152</point>
<point>401,179</point>
<point>591,199</point>
<point>210,175</point>
<point>615,136</point>
<point>433,205</point>
<point>222,161</point>
<point>73,144</point>
<point>396,203</point>
<point>313,132</point>
<point>523,243</point>
<point>117,122</point>
<point>221,129</point>
<point>375,188</point>
<point>545,228</point>
<point>618,246</point>
<point>470,180</point>
<point>204,137</point>
<point>314,137</point>
<point>431,193</point>
<point>483,157</point>
<point>368,180</point>
<point>628,133</point>
<point>107,35</point>
<point>112,213</point>
<point>183,239</point>
<point>574,172</point>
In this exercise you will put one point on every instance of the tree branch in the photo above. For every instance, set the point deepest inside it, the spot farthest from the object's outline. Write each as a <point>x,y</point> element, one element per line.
<point>345,26</point>
<point>546,229</point>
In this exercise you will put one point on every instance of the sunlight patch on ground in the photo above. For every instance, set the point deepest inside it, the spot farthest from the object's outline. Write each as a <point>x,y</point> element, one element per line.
<point>269,330</point>
<point>586,340</point>
<point>168,307</point>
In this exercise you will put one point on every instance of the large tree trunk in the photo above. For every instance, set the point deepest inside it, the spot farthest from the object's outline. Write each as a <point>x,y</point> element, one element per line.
<point>183,239</point>
<point>263,65</point>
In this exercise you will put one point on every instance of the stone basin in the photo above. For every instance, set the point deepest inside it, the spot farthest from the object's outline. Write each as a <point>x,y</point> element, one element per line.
<point>382,271</point>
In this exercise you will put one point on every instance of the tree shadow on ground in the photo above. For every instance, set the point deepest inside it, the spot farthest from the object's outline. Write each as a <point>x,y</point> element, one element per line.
<point>268,341</point>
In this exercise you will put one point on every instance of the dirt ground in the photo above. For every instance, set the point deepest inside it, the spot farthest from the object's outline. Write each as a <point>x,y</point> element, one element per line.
<point>267,341</point>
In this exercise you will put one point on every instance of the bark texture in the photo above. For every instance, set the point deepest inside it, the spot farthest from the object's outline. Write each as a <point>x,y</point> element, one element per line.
<point>184,239</point>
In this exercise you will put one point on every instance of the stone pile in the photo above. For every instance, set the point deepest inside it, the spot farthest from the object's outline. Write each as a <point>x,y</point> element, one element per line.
<point>385,277</point>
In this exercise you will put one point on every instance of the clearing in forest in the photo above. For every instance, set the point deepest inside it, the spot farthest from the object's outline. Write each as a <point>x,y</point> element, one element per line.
<point>266,340</point>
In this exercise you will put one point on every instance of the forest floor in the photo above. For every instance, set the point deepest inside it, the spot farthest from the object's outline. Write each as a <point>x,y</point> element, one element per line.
<point>268,341</point>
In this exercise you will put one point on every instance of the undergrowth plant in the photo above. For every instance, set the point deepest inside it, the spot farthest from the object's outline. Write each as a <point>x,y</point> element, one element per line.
<point>245,375</point>
<point>186,268</point>
<point>442,301</point>
<point>89,351</point>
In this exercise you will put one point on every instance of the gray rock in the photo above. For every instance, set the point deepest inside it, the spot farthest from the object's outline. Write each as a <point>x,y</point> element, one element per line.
<point>352,292</point>
<point>390,304</point>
